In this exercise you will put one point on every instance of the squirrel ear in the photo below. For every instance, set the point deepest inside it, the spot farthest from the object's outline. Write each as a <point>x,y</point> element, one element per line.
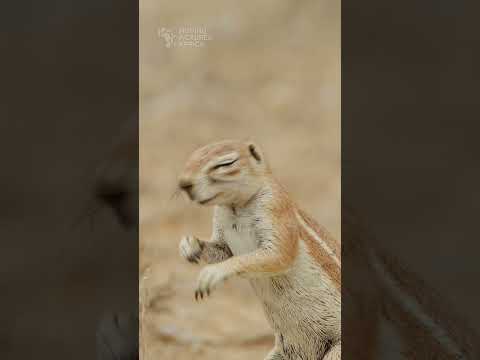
<point>254,151</point>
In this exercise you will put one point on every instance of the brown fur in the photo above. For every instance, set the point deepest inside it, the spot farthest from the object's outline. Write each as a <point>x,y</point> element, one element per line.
<point>322,258</point>
<point>323,233</point>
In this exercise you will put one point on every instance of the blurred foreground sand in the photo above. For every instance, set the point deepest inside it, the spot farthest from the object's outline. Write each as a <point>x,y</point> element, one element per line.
<point>270,73</point>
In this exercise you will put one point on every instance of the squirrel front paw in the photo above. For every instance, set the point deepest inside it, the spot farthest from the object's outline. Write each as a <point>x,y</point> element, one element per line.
<point>190,248</point>
<point>210,277</point>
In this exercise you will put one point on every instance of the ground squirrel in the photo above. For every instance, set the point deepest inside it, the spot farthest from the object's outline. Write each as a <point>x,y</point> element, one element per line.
<point>259,233</point>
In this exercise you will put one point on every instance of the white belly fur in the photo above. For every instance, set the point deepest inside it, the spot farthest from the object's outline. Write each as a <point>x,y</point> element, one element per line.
<point>240,239</point>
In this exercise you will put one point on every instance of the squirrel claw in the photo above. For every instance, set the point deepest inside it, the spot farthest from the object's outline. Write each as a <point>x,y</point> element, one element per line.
<point>198,293</point>
<point>210,277</point>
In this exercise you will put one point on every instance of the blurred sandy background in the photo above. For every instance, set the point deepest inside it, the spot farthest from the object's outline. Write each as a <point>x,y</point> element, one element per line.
<point>271,72</point>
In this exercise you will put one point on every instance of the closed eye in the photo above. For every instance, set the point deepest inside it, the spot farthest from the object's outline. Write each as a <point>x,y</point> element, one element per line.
<point>224,164</point>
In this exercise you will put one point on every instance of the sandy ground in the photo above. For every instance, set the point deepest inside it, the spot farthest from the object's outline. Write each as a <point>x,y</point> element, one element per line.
<point>271,72</point>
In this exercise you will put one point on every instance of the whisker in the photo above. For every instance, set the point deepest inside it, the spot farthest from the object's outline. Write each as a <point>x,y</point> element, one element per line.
<point>175,194</point>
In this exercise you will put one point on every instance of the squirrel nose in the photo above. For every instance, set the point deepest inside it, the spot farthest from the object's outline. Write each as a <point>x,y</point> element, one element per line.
<point>187,186</point>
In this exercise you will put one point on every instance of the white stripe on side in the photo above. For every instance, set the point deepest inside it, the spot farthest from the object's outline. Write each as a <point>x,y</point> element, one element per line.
<point>322,242</point>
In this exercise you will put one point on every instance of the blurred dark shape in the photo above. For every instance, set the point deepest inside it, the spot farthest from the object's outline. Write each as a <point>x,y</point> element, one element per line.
<point>69,77</point>
<point>410,169</point>
<point>391,311</point>
<point>117,179</point>
<point>117,337</point>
